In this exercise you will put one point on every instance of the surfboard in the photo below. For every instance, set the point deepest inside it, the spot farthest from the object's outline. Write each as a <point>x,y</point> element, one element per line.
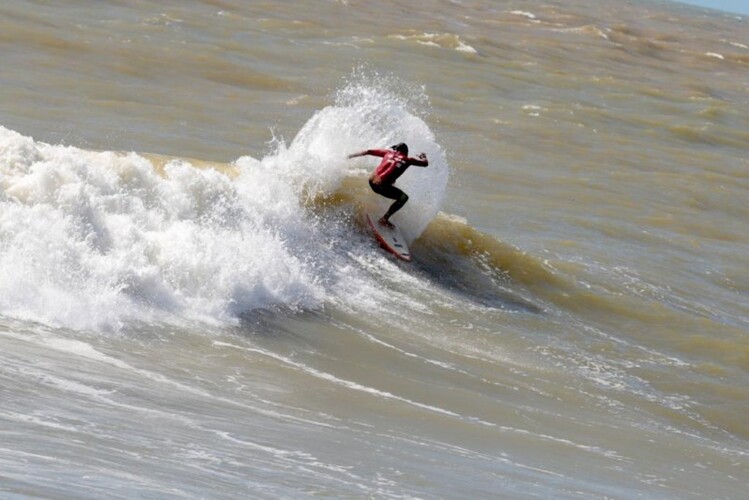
<point>391,239</point>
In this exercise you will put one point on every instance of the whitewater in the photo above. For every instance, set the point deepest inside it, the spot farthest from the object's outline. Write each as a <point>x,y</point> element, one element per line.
<point>114,237</point>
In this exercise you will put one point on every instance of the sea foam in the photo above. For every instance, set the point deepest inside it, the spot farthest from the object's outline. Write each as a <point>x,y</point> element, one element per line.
<point>95,240</point>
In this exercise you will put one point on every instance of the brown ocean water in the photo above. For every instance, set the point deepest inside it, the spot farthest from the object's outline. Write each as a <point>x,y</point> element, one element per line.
<point>190,305</point>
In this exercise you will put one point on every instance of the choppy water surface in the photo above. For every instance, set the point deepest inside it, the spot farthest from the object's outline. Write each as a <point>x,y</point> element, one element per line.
<point>191,306</point>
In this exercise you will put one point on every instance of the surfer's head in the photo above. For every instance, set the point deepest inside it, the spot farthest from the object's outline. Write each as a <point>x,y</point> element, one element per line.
<point>401,148</point>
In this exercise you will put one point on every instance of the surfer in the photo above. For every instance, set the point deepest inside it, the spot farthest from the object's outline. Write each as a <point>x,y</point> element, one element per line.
<point>394,162</point>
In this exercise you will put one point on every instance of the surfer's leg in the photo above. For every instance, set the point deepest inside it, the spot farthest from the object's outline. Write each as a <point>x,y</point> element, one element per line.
<point>400,199</point>
<point>392,192</point>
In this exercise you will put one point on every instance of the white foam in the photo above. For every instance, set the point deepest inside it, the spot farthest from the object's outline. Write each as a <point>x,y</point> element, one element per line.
<point>464,47</point>
<point>367,116</point>
<point>522,13</point>
<point>439,40</point>
<point>96,240</point>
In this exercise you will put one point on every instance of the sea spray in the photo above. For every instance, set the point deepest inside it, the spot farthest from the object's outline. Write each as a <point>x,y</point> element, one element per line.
<point>369,111</point>
<point>92,240</point>
<point>96,240</point>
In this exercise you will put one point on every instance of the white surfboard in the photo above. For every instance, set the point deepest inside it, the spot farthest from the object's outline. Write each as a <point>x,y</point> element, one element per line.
<point>390,238</point>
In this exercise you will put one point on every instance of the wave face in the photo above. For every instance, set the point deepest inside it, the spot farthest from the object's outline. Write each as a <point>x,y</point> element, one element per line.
<point>100,239</point>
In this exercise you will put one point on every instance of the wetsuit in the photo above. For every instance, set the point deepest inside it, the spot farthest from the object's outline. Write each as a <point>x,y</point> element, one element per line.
<point>392,166</point>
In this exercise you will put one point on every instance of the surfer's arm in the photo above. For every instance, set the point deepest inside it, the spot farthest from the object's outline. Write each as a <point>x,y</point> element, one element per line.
<point>421,161</point>
<point>372,152</point>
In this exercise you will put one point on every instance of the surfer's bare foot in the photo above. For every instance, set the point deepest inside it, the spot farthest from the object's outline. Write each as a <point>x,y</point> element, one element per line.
<point>384,222</point>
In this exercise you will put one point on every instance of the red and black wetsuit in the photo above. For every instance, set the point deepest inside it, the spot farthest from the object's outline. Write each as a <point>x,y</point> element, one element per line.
<point>392,166</point>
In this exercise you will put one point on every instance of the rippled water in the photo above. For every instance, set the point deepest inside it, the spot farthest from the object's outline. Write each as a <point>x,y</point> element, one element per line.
<point>192,306</point>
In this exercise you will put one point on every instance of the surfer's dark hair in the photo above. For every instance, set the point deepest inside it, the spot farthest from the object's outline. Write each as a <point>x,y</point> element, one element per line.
<point>401,147</point>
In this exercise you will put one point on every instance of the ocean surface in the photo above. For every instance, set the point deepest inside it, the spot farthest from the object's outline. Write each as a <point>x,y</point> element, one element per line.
<point>191,305</point>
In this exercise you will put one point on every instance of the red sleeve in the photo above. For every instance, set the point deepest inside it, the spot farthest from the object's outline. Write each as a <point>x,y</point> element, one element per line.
<point>418,162</point>
<point>378,152</point>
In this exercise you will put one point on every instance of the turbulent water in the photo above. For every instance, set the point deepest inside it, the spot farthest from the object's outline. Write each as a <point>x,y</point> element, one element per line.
<point>192,306</point>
